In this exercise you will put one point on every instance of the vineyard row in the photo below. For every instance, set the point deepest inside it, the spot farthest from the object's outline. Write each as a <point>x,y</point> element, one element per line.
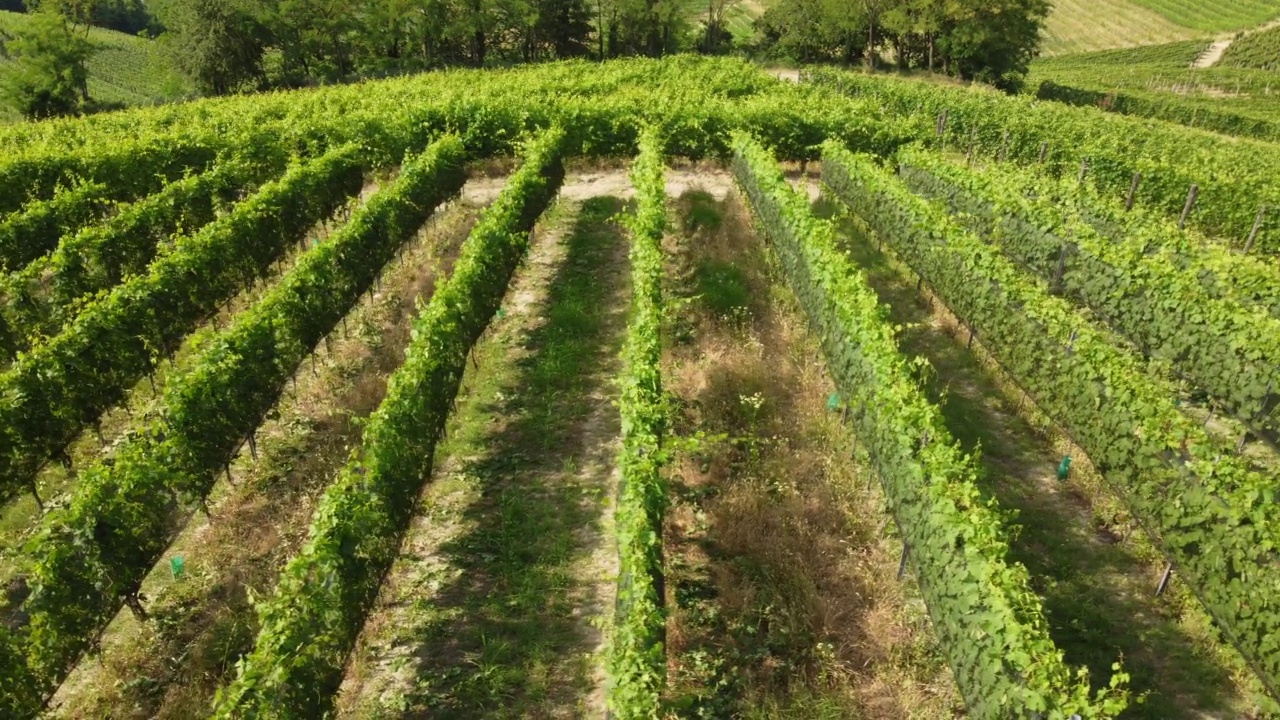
<point>1215,517</point>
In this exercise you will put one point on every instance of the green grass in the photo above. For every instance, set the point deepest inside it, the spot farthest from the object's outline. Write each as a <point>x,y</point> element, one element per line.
<point>125,70</point>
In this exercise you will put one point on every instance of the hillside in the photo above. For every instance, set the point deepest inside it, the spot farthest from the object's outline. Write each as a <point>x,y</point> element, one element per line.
<point>126,70</point>
<point>409,398</point>
<point>1084,25</point>
<point>1260,49</point>
<point>1220,82</point>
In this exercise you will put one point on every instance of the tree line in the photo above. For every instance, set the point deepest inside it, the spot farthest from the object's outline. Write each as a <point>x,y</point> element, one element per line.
<point>991,41</point>
<point>228,46</point>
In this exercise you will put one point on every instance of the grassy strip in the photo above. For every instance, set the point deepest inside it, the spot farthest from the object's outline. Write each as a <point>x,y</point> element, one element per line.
<point>90,557</point>
<point>308,626</point>
<point>61,387</point>
<point>1212,514</point>
<point>991,624</point>
<point>637,659</point>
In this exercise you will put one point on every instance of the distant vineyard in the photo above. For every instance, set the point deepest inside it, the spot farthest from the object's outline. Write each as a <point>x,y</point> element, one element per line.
<point>1214,16</point>
<point>124,70</point>
<point>1111,268</point>
<point>1233,97</point>
<point>1254,50</point>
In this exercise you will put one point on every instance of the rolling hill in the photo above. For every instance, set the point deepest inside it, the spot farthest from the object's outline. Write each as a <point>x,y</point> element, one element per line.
<point>1086,25</point>
<point>125,69</point>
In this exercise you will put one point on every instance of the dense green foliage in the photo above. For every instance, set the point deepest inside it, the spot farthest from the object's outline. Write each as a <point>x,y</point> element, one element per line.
<point>637,658</point>
<point>124,70</point>
<point>47,75</point>
<point>990,623</point>
<point>1246,279</point>
<point>62,386</point>
<point>696,101</point>
<point>38,228</point>
<point>1142,286</point>
<point>225,45</point>
<point>91,556</point>
<point>1234,178</point>
<point>131,169</point>
<point>1213,515</point>
<point>126,16</point>
<point>974,39</point>
<point>116,294</point>
<point>310,622</point>
<point>38,300</point>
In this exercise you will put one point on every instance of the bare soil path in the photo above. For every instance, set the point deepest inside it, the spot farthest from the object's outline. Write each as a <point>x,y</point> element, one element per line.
<point>1212,54</point>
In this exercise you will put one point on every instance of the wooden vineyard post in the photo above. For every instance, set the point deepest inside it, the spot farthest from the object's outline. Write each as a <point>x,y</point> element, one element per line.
<point>1004,147</point>
<point>1062,268</point>
<point>1084,168</point>
<point>1257,226</point>
<point>902,563</point>
<point>1186,209</point>
<point>1133,190</point>
<point>973,141</point>
<point>1044,150</point>
<point>1164,580</point>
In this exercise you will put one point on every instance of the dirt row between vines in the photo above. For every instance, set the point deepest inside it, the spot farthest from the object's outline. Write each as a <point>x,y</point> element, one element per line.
<point>781,564</point>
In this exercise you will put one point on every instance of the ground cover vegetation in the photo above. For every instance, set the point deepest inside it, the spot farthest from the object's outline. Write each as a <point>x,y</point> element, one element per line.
<point>577,389</point>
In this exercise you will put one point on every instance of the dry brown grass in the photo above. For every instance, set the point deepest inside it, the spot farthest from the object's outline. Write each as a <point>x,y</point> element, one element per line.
<point>773,527</point>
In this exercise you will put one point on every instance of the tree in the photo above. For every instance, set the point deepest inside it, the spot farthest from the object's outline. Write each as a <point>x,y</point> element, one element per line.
<point>994,41</point>
<point>991,41</point>
<point>219,44</point>
<point>49,76</point>
<point>717,35</point>
<point>871,10</point>
<point>564,27</point>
